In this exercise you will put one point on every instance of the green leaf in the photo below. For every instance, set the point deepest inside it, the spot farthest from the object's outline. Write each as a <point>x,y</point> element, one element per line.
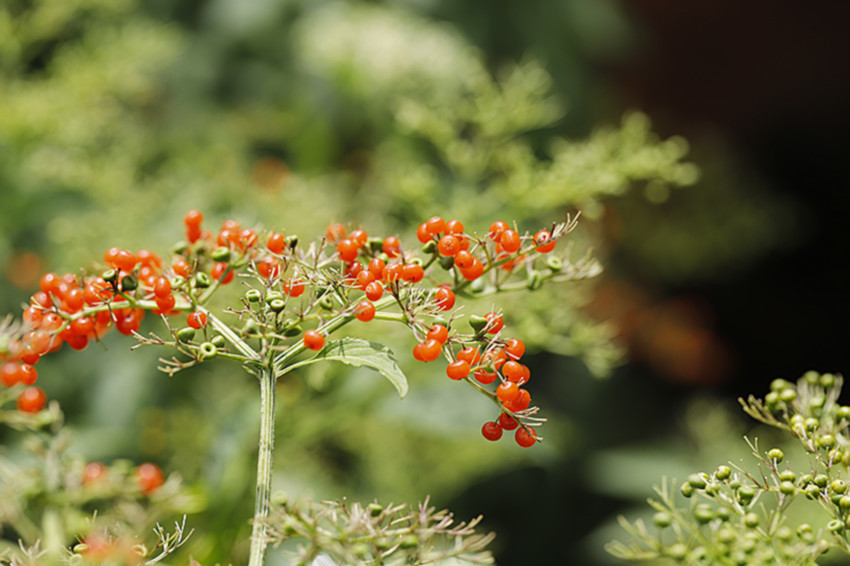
<point>357,352</point>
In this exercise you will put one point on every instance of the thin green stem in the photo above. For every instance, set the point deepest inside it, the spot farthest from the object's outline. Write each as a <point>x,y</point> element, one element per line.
<point>259,535</point>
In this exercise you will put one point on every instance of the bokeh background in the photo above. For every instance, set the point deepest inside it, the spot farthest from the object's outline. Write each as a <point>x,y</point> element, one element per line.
<point>704,145</point>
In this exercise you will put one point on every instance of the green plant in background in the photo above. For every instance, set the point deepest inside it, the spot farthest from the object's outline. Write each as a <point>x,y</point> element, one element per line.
<point>295,295</point>
<point>739,515</point>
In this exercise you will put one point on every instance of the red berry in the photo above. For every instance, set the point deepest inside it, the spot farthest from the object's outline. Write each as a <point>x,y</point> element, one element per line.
<point>510,241</point>
<point>445,298</point>
<point>392,272</point>
<point>439,333</point>
<point>422,233</point>
<point>376,267</point>
<point>525,438</point>
<point>412,272</point>
<point>458,369</point>
<point>485,377</point>
<point>221,272</point>
<point>496,229</point>
<point>31,400</point>
<point>454,227</point>
<point>507,391</point>
<point>541,238</point>
<point>448,245</point>
<point>520,402</point>
<point>374,290</point>
<point>124,260</point>
<point>149,478</point>
<point>391,246</point>
<point>364,278</point>
<point>494,322</point>
<point>364,311</point>
<point>507,422</point>
<point>491,431</point>
<point>514,348</point>
<point>93,472</point>
<point>294,287</point>
<point>161,287</point>
<point>427,351</point>
<point>197,319</point>
<point>474,271</point>
<point>314,340</point>
<point>360,237</point>
<point>276,243</point>
<point>193,218</point>
<point>464,259</point>
<point>335,232</point>
<point>470,354</point>
<point>347,250</point>
<point>435,225</point>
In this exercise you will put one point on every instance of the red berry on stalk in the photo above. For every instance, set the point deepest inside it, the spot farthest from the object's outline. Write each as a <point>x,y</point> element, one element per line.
<point>458,369</point>
<point>439,333</point>
<point>454,227</point>
<point>374,290</point>
<point>314,340</point>
<point>422,233</point>
<point>507,422</point>
<point>448,245</point>
<point>391,246</point>
<point>496,229</point>
<point>514,348</point>
<point>221,272</point>
<point>520,402</point>
<point>412,272</point>
<point>445,298</point>
<point>491,431</point>
<point>435,225</point>
<point>347,250</point>
<point>474,271</point>
<point>276,243</point>
<point>427,351</point>
<point>93,472</point>
<point>494,322</point>
<point>364,311</point>
<point>507,391</point>
<point>525,438</point>
<point>510,241</point>
<point>31,400</point>
<point>193,218</point>
<point>197,319</point>
<point>149,478</point>
<point>541,239</point>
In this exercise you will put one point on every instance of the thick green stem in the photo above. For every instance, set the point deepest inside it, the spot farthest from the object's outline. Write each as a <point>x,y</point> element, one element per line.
<point>259,536</point>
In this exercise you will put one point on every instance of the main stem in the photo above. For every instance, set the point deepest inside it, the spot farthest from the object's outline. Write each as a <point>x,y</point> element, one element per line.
<point>259,537</point>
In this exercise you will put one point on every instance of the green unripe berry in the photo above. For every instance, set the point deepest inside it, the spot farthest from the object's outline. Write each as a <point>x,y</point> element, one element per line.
<point>478,323</point>
<point>447,262</point>
<point>430,247</point>
<point>687,489</point>
<point>811,377</point>
<point>703,513</point>
<point>746,494</point>
<point>726,535</point>
<point>697,481</point>
<point>835,526</point>
<point>202,280</point>
<point>844,502</point>
<point>179,248</point>
<point>776,455</point>
<point>838,486</point>
<point>534,280</point>
<point>787,475</point>
<point>185,334</point>
<point>784,533</point>
<point>806,479</point>
<point>253,296</point>
<point>110,275</point>
<point>409,541</point>
<point>662,520</point>
<point>477,286</point>
<point>218,341</point>
<point>779,385</point>
<point>844,412</point>
<point>723,513</point>
<point>272,296</point>
<point>291,241</point>
<point>723,473</point>
<point>817,402</point>
<point>129,283</point>
<point>751,520</point>
<point>677,551</point>
<point>735,484</point>
<point>375,509</point>
<point>772,400</point>
<point>826,441</point>
<point>326,302</point>
<point>804,531</point>
<point>293,329</point>
<point>811,423</point>
<point>787,395</point>
<point>221,254</point>
<point>787,487</point>
<point>812,491</point>
<point>821,480</point>
<point>277,305</point>
<point>827,380</point>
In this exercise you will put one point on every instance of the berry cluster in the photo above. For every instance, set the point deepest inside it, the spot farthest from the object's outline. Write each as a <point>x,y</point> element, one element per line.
<point>344,276</point>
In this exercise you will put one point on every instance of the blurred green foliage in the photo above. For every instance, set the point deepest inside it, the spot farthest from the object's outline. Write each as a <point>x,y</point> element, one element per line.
<point>118,116</point>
